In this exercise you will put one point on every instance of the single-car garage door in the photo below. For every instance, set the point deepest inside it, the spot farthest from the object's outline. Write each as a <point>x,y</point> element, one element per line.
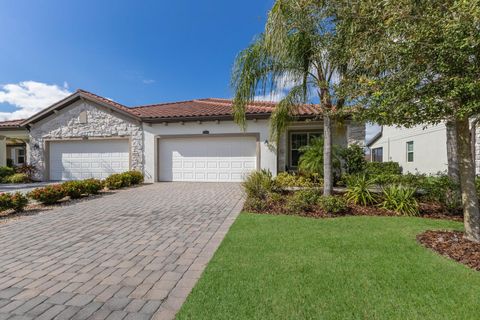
<point>74,160</point>
<point>210,159</point>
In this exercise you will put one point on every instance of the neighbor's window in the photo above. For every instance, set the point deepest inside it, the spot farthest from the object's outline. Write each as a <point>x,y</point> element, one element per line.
<point>377,154</point>
<point>410,151</point>
<point>297,141</point>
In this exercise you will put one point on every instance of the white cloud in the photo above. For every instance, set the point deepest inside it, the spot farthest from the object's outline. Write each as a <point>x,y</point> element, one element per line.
<point>148,81</point>
<point>283,85</point>
<point>30,97</point>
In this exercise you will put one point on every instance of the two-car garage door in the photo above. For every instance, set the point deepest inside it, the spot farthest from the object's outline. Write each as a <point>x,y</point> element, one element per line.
<point>209,159</point>
<point>82,159</point>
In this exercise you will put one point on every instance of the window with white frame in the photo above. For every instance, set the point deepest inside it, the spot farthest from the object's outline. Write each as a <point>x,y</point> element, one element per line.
<point>297,141</point>
<point>410,151</point>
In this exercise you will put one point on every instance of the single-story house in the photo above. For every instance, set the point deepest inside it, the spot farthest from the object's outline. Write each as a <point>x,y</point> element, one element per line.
<point>421,149</point>
<point>86,135</point>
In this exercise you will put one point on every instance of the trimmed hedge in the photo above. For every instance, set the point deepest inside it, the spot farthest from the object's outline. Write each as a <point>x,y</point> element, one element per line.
<point>49,194</point>
<point>6,172</point>
<point>122,180</point>
<point>16,201</point>
<point>382,168</point>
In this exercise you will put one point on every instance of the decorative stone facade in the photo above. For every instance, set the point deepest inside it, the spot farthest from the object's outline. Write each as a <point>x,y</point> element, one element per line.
<point>85,119</point>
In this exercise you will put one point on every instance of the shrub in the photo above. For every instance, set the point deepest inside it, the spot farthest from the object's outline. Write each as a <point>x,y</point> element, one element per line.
<point>302,201</point>
<point>332,204</point>
<point>6,172</point>
<point>287,180</point>
<point>5,201</point>
<point>28,170</point>
<point>92,186</point>
<point>259,184</point>
<point>17,178</point>
<point>400,199</point>
<point>74,189</point>
<point>442,190</point>
<point>311,161</point>
<point>353,159</point>
<point>255,204</point>
<point>135,177</point>
<point>49,194</point>
<point>359,190</point>
<point>19,201</point>
<point>115,181</point>
<point>379,168</point>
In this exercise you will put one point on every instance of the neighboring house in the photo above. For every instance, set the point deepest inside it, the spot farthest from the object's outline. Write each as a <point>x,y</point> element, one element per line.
<point>85,135</point>
<point>420,149</point>
<point>13,143</point>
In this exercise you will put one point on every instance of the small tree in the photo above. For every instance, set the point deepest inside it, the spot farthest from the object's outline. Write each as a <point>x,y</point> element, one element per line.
<point>300,47</point>
<point>418,62</point>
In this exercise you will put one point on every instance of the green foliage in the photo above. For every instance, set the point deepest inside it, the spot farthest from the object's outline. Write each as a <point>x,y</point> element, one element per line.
<point>255,204</point>
<point>359,191</point>
<point>289,180</point>
<point>92,186</point>
<point>27,170</point>
<point>6,172</point>
<point>332,204</point>
<point>353,159</point>
<point>302,201</point>
<point>382,168</point>
<point>443,190</point>
<point>17,178</point>
<point>74,189</point>
<point>400,199</point>
<point>16,201</point>
<point>48,195</point>
<point>311,160</point>
<point>259,184</point>
<point>135,177</point>
<point>115,181</point>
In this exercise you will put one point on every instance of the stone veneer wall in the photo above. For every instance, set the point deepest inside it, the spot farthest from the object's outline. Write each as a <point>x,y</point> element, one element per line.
<point>101,122</point>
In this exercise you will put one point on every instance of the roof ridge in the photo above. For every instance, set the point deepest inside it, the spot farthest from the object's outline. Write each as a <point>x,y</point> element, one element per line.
<point>161,104</point>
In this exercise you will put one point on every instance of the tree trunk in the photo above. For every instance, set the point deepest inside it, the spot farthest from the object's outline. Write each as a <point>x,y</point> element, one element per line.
<point>471,212</point>
<point>327,155</point>
<point>452,152</point>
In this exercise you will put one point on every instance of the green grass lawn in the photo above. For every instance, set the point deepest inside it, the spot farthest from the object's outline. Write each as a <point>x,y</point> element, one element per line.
<point>282,267</point>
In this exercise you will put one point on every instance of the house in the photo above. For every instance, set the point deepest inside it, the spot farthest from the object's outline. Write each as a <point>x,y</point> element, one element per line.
<point>86,135</point>
<point>421,149</point>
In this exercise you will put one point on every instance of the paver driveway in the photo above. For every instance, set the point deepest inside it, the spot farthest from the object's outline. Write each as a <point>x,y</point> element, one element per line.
<point>128,255</point>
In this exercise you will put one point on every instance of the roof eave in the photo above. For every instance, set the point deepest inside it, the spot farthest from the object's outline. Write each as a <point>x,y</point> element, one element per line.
<point>69,100</point>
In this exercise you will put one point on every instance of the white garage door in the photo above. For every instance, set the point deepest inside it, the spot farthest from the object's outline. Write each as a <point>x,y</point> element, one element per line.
<point>74,160</point>
<point>222,159</point>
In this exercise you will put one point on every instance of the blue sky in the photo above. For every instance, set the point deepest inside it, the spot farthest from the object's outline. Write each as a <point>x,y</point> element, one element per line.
<point>135,52</point>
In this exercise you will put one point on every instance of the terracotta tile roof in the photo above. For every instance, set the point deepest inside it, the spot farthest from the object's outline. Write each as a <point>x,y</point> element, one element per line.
<point>11,123</point>
<point>105,100</point>
<point>211,107</point>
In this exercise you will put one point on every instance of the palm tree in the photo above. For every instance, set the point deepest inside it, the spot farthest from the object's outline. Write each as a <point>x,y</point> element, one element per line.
<point>299,48</point>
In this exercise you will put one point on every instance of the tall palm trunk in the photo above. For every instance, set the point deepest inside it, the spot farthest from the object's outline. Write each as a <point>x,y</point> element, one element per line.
<point>471,212</point>
<point>327,155</point>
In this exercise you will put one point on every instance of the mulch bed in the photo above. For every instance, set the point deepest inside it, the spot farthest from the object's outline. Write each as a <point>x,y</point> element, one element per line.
<point>453,245</point>
<point>430,211</point>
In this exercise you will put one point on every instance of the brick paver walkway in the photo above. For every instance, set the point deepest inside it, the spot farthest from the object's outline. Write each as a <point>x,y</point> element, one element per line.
<point>130,255</point>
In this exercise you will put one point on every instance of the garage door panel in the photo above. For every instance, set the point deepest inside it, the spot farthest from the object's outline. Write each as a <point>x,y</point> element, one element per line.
<point>74,160</point>
<point>207,158</point>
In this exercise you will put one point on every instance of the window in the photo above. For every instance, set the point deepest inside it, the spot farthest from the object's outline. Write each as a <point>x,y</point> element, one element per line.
<point>18,156</point>
<point>297,141</point>
<point>410,151</point>
<point>377,154</point>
